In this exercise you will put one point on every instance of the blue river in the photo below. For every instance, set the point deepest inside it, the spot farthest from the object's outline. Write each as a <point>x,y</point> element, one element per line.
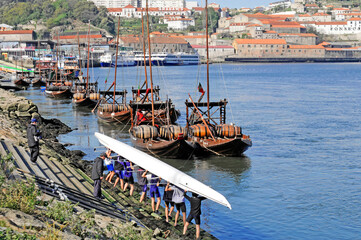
<point>301,179</point>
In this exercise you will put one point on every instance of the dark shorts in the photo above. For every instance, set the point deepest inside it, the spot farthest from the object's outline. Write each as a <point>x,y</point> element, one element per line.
<point>129,180</point>
<point>119,173</point>
<point>154,191</point>
<point>181,207</point>
<point>169,204</point>
<point>144,188</point>
<point>196,218</point>
<point>110,167</point>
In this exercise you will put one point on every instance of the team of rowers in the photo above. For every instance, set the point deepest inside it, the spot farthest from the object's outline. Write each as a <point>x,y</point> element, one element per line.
<point>173,196</point>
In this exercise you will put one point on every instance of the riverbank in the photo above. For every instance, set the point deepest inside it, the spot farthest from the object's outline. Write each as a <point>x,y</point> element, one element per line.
<point>15,113</point>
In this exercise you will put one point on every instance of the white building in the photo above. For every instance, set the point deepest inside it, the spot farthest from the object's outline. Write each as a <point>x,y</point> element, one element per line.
<point>180,23</point>
<point>191,4</point>
<point>164,4</point>
<point>114,3</point>
<point>283,4</point>
<point>133,12</point>
<point>351,26</point>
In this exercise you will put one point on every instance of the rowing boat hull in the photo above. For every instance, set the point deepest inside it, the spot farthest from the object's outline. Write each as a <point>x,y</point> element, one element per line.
<point>84,102</point>
<point>59,94</point>
<point>178,149</point>
<point>161,169</point>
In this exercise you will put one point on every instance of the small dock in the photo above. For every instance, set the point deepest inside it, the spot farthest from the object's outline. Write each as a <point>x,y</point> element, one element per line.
<point>67,183</point>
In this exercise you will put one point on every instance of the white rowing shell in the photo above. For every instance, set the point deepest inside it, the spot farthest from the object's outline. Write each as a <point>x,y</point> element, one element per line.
<point>162,169</point>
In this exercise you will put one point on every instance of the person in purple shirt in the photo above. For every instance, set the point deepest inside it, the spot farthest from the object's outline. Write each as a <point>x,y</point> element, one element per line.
<point>195,212</point>
<point>128,176</point>
<point>154,191</point>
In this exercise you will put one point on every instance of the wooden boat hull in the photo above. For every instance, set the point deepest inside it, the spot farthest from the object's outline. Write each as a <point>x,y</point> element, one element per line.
<point>21,82</point>
<point>178,149</point>
<point>58,94</point>
<point>84,102</point>
<point>229,147</point>
<point>38,83</point>
<point>116,117</point>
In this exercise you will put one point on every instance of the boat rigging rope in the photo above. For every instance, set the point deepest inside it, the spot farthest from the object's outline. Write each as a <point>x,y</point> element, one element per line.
<point>225,87</point>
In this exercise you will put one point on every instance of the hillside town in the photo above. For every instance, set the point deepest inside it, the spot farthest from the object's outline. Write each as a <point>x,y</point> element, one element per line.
<point>299,30</point>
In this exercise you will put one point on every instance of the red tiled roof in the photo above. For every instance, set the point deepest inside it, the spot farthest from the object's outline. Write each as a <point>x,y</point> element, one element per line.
<point>168,40</point>
<point>260,41</point>
<point>311,5</point>
<point>115,9</point>
<point>321,14</point>
<point>306,47</point>
<point>331,23</point>
<point>129,6</point>
<point>354,19</point>
<point>304,15</point>
<point>287,26</point>
<point>270,32</point>
<point>202,46</point>
<point>298,34</point>
<point>17,32</point>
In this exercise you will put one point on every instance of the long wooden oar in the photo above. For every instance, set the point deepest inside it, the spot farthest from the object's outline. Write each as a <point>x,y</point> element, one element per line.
<point>199,113</point>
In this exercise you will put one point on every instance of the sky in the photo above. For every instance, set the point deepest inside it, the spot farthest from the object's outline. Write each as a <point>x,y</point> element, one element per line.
<point>238,3</point>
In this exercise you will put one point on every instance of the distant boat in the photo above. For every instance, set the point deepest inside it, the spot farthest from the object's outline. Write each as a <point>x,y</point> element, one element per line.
<point>188,58</point>
<point>123,60</point>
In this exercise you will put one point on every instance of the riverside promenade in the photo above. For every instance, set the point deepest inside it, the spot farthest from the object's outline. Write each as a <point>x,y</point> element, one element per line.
<point>61,174</point>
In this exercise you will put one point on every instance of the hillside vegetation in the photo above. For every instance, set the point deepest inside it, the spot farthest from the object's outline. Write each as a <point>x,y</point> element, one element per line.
<point>54,13</point>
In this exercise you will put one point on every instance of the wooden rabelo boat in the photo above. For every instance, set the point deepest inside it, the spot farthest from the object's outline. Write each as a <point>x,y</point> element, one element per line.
<point>85,93</point>
<point>161,141</point>
<point>112,107</point>
<point>211,134</point>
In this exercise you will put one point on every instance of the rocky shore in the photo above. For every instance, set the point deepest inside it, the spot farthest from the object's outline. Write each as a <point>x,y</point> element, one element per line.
<point>15,114</point>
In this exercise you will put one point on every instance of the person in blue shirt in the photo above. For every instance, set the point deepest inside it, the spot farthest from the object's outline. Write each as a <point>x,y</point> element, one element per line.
<point>154,191</point>
<point>128,176</point>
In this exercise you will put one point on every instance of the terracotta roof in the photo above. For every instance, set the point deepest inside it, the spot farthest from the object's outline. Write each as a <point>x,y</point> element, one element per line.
<point>270,32</point>
<point>115,9</point>
<point>203,46</point>
<point>260,41</point>
<point>354,19</point>
<point>321,14</point>
<point>329,6</point>
<point>304,15</point>
<point>198,9</point>
<point>331,23</point>
<point>345,9</point>
<point>311,5</point>
<point>324,43</point>
<point>298,34</point>
<point>129,39</point>
<point>197,36</point>
<point>129,6</point>
<point>168,40</point>
<point>306,47</point>
<point>351,14</point>
<point>17,32</point>
<point>287,26</point>
<point>254,25</point>
<point>80,36</point>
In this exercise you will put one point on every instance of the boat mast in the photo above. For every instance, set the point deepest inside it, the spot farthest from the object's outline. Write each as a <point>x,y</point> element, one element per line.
<point>150,63</point>
<point>116,63</point>
<point>57,60</point>
<point>87,70</point>
<point>145,60</point>
<point>80,65</point>
<point>208,113</point>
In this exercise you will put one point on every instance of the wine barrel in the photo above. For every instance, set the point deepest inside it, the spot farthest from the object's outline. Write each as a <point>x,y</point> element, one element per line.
<point>200,130</point>
<point>171,131</point>
<point>69,84</point>
<point>145,132</point>
<point>227,130</point>
<point>79,96</point>
<point>94,96</point>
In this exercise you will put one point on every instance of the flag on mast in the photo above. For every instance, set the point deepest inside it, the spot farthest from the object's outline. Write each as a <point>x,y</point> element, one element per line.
<point>200,88</point>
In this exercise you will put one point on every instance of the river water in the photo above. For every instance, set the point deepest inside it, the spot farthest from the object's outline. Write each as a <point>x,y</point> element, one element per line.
<point>300,179</point>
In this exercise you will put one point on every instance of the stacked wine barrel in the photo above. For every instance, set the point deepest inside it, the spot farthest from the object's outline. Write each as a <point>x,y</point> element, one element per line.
<point>199,130</point>
<point>172,132</point>
<point>94,96</point>
<point>227,130</point>
<point>145,132</point>
<point>113,108</point>
<point>79,96</point>
<point>68,84</point>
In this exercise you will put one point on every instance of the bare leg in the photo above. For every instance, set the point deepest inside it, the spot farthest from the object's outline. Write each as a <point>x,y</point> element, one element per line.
<point>184,218</point>
<point>153,203</point>
<point>121,183</point>
<point>142,197</point>
<point>171,210</point>
<point>116,182</point>
<point>125,187</point>
<point>176,218</point>
<point>131,189</point>
<point>185,228</point>
<point>158,203</point>
<point>166,213</point>
<point>111,176</point>
<point>198,230</point>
